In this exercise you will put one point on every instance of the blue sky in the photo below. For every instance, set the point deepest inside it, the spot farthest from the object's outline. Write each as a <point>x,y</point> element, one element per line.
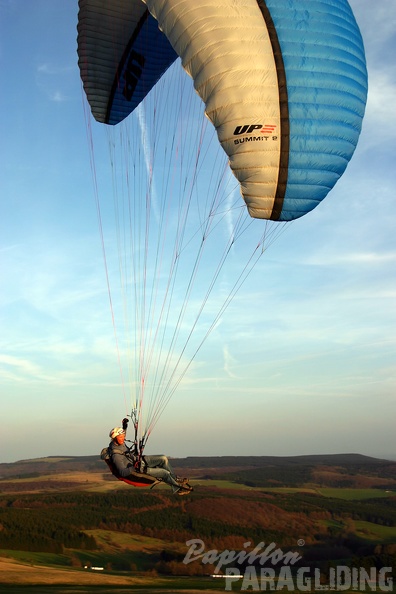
<point>303,360</point>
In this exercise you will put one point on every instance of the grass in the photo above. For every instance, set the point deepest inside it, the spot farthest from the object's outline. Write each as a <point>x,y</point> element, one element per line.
<point>53,459</point>
<point>152,586</point>
<point>122,551</point>
<point>118,551</point>
<point>355,494</point>
<point>220,484</point>
<point>336,492</point>
<point>367,531</point>
<point>375,532</point>
<point>36,558</point>
<point>109,540</point>
<point>17,578</point>
<point>72,477</point>
<point>292,490</point>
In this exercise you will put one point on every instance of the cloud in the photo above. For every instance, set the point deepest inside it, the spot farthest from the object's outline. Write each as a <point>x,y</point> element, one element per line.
<point>58,97</point>
<point>334,258</point>
<point>229,362</point>
<point>379,116</point>
<point>53,70</point>
<point>377,22</point>
<point>19,369</point>
<point>49,76</point>
<point>45,68</point>
<point>373,258</point>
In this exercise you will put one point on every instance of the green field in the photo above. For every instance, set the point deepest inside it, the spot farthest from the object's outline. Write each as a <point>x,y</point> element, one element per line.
<point>117,551</point>
<point>355,494</point>
<point>221,484</point>
<point>375,532</point>
<point>336,492</point>
<point>36,558</point>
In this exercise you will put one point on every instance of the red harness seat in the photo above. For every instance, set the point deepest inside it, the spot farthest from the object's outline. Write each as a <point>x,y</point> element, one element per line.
<point>136,479</point>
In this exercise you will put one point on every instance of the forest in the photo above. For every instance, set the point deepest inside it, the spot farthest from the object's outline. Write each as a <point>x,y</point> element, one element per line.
<point>72,525</point>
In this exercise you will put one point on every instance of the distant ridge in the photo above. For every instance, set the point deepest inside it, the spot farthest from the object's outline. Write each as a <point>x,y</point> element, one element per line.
<point>61,464</point>
<point>309,459</point>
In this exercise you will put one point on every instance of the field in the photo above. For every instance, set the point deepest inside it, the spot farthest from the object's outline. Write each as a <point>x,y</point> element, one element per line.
<point>375,532</point>
<point>23,579</point>
<point>338,493</point>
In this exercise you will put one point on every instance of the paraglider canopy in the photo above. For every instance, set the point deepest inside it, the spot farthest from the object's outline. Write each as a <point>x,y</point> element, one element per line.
<point>283,81</point>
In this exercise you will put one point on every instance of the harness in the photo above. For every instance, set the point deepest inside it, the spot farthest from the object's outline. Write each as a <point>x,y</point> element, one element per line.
<point>138,476</point>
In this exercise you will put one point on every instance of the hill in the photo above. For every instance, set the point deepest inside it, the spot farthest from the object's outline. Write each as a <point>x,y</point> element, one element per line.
<point>68,513</point>
<point>332,470</point>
